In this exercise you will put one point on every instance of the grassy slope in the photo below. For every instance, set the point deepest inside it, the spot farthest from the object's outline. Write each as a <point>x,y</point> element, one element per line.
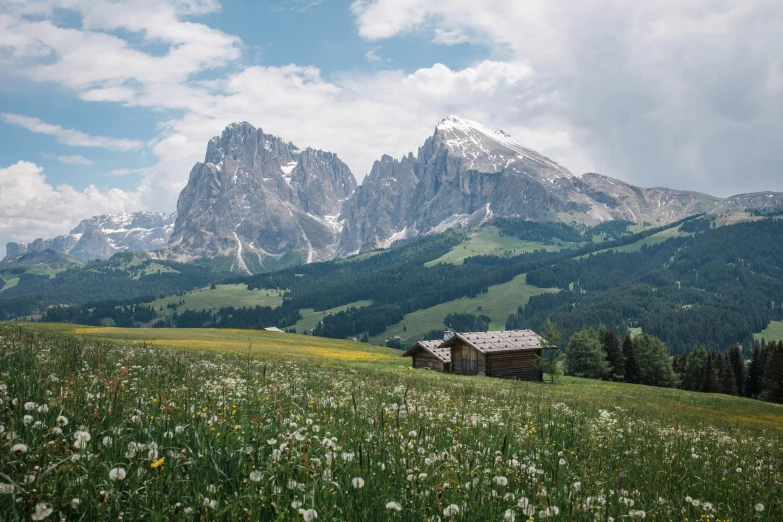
<point>486,241</point>
<point>497,303</point>
<point>676,406</point>
<point>222,295</point>
<point>310,317</point>
<point>774,332</point>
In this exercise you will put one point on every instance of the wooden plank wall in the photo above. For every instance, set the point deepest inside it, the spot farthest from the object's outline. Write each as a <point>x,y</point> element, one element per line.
<point>466,360</point>
<point>427,361</point>
<point>514,365</point>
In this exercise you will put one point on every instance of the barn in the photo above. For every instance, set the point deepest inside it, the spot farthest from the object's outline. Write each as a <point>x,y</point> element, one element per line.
<point>429,354</point>
<point>507,355</point>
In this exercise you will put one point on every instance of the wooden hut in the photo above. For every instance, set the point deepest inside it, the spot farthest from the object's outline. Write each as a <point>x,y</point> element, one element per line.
<point>507,355</point>
<point>429,354</point>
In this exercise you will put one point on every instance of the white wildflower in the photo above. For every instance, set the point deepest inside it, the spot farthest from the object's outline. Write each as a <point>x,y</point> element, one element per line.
<point>255,476</point>
<point>759,507</point>
<point>509,516</point>
<point>451,510</point>
<point>62,420</point>
<point>357,483</point>
<point>41,511</point>
<point>501,481</point>
<point>393,506</point>
<point>117,474</point>
<point>308,515</point>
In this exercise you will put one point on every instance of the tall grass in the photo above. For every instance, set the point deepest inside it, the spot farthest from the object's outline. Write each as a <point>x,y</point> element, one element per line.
<point>184,435</point>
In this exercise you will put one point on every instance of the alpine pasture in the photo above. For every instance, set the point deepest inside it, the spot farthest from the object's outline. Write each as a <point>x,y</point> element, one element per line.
<point>109,424</point>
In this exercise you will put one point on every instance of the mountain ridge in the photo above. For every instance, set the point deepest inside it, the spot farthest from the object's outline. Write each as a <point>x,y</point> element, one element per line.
<point>262,203</point>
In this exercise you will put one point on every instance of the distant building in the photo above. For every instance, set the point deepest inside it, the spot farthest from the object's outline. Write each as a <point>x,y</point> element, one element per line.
<point>428,354</point>
<point>273,329</point>
<point>507,355</point>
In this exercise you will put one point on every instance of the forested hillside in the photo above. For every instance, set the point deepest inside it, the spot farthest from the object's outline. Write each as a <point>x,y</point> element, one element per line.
<point>714,289</point>
<point>706,285</point>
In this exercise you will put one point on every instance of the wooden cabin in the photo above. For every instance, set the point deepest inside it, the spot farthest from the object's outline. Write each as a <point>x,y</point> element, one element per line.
<point>507,355</point>
<point>429,354</point>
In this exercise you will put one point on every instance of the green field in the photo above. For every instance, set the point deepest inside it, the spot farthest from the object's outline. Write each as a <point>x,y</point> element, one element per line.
<point>773,332</point>
<point>310,318</point>
<point>223,295</point>
<point>244,425</point>
<point>488,241</point>
<point>497,303</point>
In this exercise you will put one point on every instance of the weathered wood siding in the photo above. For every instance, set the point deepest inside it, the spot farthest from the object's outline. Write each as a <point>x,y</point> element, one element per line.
<point>514,365</point>
<point>466,360</point>
<point>425,360</point>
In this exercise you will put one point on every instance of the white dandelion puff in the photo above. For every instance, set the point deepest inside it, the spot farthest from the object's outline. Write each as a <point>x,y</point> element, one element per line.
<point>117,474</point>
<point>357,483</point>
<point>393,506</point>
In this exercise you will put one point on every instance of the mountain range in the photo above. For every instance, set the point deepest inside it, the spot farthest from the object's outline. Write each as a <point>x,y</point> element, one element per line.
<point>262,203</point>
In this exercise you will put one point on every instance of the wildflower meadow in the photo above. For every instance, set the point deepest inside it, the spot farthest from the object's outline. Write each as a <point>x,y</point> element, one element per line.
<point>112,430</point>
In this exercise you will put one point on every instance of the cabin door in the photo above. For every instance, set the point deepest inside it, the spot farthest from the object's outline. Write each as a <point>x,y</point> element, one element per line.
<point>472,361</point>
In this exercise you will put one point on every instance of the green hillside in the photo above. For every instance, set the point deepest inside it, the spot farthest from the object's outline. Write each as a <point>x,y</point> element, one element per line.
<point>498,302</point>
<point>207,298</point>
<point>488,240</point>
<point>774,332</point>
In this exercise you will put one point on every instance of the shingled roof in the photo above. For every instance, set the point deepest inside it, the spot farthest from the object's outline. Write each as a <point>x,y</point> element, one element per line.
<point>434,347</point>
<point>494,342</point>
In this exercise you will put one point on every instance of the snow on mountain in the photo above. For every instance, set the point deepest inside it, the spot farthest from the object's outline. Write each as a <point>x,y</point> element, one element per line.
<point>100,237</point>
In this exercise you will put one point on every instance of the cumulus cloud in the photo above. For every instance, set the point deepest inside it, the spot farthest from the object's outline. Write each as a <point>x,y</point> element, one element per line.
<point>31,208</point>
<point>75,159</point>
<point>685,94</point>
<point>70,137</point>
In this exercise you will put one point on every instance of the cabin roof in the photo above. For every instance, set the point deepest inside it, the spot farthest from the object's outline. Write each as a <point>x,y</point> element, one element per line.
<point>433,347</point>
<point>494,342</point>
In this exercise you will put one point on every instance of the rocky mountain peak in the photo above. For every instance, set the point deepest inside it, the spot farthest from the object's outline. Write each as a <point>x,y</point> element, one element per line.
<point>257,198</point>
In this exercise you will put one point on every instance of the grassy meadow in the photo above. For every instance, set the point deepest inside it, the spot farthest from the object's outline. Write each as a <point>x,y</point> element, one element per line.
<point>497,303</point>
<point>222,295</point>
<point>773,332</point>
<point>107,424</point>
<point>310,318</point>
<point>488,241</point>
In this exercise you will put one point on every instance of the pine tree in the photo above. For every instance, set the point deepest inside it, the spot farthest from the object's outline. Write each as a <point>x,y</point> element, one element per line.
<point>694,369</point>
<point>584,355</point>
<point>737,362</point>
<point>631,366</point>
<point>755,373</point>
<point>727,383</point>
<point>614,353</point>
<point>772,385</point>
<point>708,376</point>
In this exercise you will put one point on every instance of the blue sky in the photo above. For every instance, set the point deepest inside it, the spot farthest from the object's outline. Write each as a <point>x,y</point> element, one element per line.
<point>105,105</point>
<point>323,35</point>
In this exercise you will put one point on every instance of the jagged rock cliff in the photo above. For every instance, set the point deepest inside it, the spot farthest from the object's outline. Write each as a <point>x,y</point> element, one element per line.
<point>256,198</point>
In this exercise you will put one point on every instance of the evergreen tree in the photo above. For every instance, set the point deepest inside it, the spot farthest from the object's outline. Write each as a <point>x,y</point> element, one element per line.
<point>584,356</point>
<point>708,376</point>
<point>631,366</point>
<point>772,385</point>
<point>694,369</point>
<point>737,361</point>
<point>614,353</point>
<point>727,383</point>
<point>755,373</point>
<point>549,361</point>
<point>653,361</point>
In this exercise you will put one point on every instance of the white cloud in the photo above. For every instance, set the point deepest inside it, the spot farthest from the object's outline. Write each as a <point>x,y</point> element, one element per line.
<point>70,137</point>
<point>372,55</point>
<point>449,36</point>
<point>686,94</point>
<point>32,208</point>
<point>75,159</point>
